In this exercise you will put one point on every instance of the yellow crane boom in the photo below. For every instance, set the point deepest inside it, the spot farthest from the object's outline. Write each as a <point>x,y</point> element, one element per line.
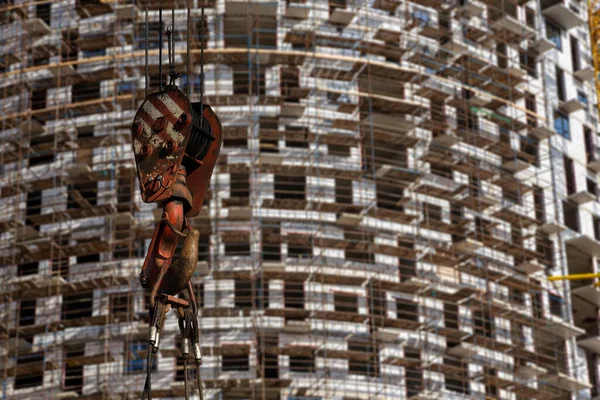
<point>574,277</point>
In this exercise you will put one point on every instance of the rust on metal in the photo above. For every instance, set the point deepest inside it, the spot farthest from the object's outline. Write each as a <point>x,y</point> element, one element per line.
<point>159,135</point>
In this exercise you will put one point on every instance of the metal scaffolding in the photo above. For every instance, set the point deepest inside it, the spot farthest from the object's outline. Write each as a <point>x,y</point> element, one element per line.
<point>381,224</point>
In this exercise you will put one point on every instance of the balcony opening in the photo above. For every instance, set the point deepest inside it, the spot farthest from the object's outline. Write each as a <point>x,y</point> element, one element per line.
<point>537,305</point>
<point>518,297</point>
<point>389,197</point>
<point>74,374</point>
<point>459,380</point>
<point>502,55</point>
<point>483,324</point>
<point>368,350</point>
<point>60,263</point>
<point>270,362</point>
<point>413,381</point>
<point>301,251</point>
<point>204,247</point>
<point>407,310</point>
<point>128,250</point>
<point>359,247</point>
<point>82,195</point>
<point>236,143</point>
<point>248,82</point>
<point>27,312</point>
<point>238,248</point>
<point>407,268</point>
<point>441,170</point>
<point>530,17</point>
<point>235,362</point>
<point>243,294</point>
<point>31,268</point>
<point>411,353</point>
<point>34,205</point>
<point>121,304</point>
<point>575,55</point>
<point>153,29</point>
<point>528,63</point>
<point>88,258</point>
<point>592,187</point>
<point>124,190</point>
<point>545,246</point>
<point>77,306</point>
<point>45,154</point>
<point>491,388</point>
<point>43,11</point>
<point>433,213</point>
<point>512,194</point>
<point>531,106</point>
<point>571,216</point>
<point>247,297</point>
<point>69,50</point>
<point>596,223</point>
<point>505,136</point>
<point>377,302</point>
<point>590,149</point>
<point>155,79</point>
<point>85,91</point>
<point>261,295</point>
<point>444,19</point>
<point>343,191</point>
<point>271,242</point>
<point>556,305</point>
<point>240,187</point>
<point>561,89</point>
<point>293,293</point>
<point>580,263</point>
<point>38,99</point>
<point>467,123</point>
<point>345,302</point>
<point>290,187</point>
<point>516,235</point>
<point>304,364</point>
<point>538,203</point>
<point>531,145</point>
<point>257,31</point>
<point>451,316</point>
<point>569,175</point>
<point>29,362</point>
<point>290,83</point>
<point>383,153</point>
<point>296,144</point>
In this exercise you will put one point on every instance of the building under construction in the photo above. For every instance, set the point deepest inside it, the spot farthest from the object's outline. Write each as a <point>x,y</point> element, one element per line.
<point>398,181</point>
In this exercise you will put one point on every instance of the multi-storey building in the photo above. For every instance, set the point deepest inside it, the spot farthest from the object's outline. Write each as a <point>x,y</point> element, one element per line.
<point>398,181</point>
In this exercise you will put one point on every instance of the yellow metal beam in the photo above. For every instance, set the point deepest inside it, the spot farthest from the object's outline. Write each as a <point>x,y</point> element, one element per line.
<point>574,277</point>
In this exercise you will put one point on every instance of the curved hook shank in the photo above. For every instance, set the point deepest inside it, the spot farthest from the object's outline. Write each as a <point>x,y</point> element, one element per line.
<point>182,269</point>
<point>163,244</point>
